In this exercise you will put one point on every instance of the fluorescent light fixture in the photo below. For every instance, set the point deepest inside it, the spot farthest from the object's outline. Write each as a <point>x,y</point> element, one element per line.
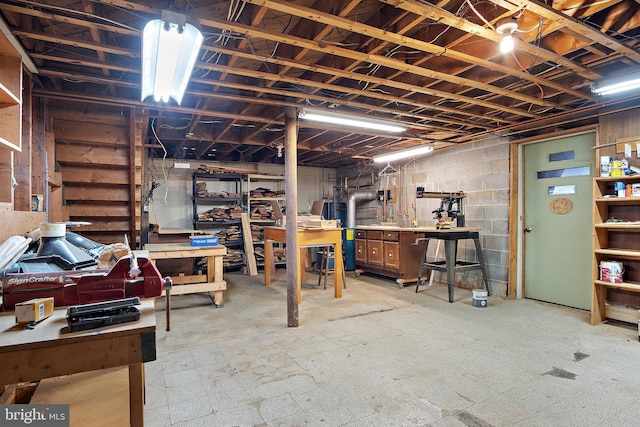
<point>616,86</point>
<point>404,154</point>
<point>332,118</point>
<point>170,47</point>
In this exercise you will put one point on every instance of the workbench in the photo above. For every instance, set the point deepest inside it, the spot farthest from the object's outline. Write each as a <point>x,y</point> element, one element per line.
<point>307,237</point>
<point>212,283</point>
<point>49,350</point>
<point>451,265</point>
<point>388,250</point>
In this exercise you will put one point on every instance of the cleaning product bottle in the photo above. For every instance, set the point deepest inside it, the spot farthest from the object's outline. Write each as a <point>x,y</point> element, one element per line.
<point>616,167</point>
<point>625,166</point>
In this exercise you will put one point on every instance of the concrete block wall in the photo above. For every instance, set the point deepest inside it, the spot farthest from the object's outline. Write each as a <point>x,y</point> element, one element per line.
<point>481,170</point>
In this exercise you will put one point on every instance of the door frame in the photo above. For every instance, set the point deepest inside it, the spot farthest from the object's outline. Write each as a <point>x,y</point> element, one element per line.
<point>515,287</point>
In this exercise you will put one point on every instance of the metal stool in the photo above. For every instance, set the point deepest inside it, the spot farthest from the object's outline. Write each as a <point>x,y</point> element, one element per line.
<point>324,268</point>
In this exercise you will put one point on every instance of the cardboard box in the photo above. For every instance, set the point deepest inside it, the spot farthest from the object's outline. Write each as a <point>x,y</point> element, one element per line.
<point>34,311</point>
<point>203,240</point>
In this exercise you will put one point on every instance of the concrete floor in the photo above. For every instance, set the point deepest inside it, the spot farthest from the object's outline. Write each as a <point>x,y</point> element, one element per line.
<point>384,356</point>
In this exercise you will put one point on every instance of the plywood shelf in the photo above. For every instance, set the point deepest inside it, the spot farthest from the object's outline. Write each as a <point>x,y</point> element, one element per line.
<point>615,241</point>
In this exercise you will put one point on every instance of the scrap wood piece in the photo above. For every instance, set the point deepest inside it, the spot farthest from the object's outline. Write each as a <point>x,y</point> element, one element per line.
<point>252,268</point>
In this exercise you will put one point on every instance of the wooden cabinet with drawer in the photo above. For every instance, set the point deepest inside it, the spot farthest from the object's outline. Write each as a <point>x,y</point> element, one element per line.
<point>391,253</point>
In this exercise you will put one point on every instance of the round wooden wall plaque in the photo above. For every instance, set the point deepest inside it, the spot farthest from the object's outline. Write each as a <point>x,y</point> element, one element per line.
<point>561,205</point>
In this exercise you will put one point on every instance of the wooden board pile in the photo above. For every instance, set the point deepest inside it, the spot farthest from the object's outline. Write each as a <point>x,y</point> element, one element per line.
<point>229,235</point>
<point>223,169</point>
<point>261,211</point>
<point>201,191</point>
<point>265,192</point>
<point>257,233</point>
<point>279,255</point>
<point>233,258</point>
<point>228,213</point>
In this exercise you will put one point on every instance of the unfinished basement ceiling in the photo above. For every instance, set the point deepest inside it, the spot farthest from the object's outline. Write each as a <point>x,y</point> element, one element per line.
<point>435,67</point>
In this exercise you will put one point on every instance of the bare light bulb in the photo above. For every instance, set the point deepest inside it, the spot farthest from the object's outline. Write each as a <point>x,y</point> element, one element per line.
<point>506,45</point>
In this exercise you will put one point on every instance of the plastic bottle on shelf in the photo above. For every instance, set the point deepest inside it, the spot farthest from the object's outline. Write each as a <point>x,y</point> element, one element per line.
<point>616,167</point>
<point>625,166</point>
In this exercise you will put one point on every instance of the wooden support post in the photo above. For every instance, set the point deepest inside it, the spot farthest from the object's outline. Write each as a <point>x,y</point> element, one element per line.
<point>291,197</point>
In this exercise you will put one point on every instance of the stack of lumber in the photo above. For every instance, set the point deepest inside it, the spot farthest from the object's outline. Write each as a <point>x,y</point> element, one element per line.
<point>227,213</point>
<point>229,235</point>
<point>279,255</point>
<point>233,258</point>
<point>265,192</point>
<point>201,191</point>
<point>261,211</point>
<point>257,233</point>
<point>223,169</point>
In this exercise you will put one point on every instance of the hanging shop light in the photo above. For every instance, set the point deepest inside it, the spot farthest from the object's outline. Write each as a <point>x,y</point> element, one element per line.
<point>170,47</point>
<point>329,117</point>
<point>423,149</point>
<point>621,84</point>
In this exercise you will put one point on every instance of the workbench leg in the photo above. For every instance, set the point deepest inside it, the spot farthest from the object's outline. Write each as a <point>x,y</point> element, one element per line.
<point>338,269</point>
<point>136,395</point>
<point>480,257</point>
<point>268,261</point>
<point>215,268</point>
<point>450,248</point>
<point>423,261</point>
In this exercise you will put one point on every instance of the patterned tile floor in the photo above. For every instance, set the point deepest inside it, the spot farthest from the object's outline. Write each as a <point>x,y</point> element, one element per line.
<point>384,356</point>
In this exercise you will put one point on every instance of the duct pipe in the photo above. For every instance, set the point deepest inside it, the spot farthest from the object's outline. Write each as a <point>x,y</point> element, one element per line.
<point>351,206</point>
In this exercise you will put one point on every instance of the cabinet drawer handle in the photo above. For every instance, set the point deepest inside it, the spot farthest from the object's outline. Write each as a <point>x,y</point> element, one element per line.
<point>374,252</point>
<point>390,255</point>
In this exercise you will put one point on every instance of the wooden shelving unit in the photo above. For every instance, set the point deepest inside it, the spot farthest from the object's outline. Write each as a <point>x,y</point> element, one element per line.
<point>273,204</point>
<point>10,118</point>
<point>616,237</point>
<point>223,193</point>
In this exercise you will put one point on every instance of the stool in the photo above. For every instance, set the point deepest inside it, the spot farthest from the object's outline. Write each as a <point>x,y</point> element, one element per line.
<point>324,268</point>
<point>451,265</point>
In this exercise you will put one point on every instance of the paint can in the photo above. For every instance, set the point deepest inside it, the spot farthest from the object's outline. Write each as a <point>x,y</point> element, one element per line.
<point>479,298</point>
<point>635,190</point>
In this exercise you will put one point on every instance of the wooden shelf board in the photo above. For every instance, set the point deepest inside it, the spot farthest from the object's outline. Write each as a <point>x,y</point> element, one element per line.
<point>619,226</point>
<point>627,286</point>
<point>630,201</point>
<point>622,253</point>
<point>261,177</point>
<point>8,98</point>
<point>624,178</point>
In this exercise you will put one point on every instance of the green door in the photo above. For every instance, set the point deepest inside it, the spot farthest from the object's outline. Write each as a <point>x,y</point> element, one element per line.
<point>557,220</point>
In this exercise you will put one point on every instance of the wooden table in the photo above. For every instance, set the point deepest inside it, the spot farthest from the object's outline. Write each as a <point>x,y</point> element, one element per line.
<point>189,284</point>
<point>50,350</point>
<point>307,237</point>
<point>451,265</point>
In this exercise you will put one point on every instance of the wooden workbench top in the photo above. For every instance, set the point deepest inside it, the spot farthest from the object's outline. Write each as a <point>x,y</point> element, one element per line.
<point>55,329</point>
